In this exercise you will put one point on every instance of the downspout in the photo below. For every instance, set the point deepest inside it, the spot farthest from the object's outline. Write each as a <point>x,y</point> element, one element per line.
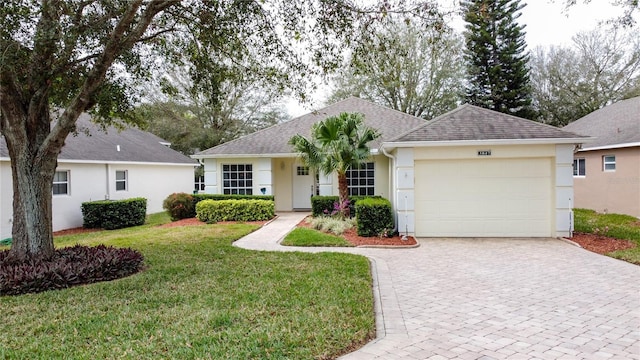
<point>107,195</point>
<point>392,185</point>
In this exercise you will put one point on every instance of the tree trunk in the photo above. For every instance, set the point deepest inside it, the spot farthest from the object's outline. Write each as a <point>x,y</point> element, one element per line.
<point>343,192</point>
<point>32,173</point>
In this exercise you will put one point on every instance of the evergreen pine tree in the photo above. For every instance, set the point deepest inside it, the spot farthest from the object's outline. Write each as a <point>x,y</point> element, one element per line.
<point>495,56</point>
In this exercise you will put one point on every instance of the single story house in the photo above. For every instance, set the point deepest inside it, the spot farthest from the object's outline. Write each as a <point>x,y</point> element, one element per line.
<point>471,172</point>
<point>606,172</point>
<point>98,165</point>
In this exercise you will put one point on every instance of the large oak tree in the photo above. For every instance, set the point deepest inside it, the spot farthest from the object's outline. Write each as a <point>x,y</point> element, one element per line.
<point>74,56</point>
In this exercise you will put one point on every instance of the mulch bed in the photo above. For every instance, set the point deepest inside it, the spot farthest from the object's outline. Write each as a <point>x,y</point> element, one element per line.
<point>352,237</point>
<point>601,244</point>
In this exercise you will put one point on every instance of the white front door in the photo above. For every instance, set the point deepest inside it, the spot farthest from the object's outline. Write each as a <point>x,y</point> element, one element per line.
<point>303,186</point>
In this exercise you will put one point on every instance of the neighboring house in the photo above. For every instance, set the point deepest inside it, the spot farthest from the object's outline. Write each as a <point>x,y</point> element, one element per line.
<point>606,172</point>
<point>98,165</point>
<point>469,173</point>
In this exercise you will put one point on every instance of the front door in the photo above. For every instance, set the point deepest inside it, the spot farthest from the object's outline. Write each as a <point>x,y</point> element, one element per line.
<point>303,186</point>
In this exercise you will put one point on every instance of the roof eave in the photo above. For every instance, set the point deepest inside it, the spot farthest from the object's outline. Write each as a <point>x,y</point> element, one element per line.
<point>242,156</point>
<point>612,146</point>
<point>404,144</point>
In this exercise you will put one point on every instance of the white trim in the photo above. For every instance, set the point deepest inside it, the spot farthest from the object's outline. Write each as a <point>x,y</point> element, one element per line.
<point>124,162</point>
<point>399,144</point>
<point>71,161</point>
<point>607,147</point>
<point>238,156</point>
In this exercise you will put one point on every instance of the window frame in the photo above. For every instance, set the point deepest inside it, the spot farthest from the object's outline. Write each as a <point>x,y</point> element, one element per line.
<point>577,168</point>
<point>125,180</point>
<point>609,162</point>
<point>67,183</point>
<point>366,184</point>
<point>241,175</point>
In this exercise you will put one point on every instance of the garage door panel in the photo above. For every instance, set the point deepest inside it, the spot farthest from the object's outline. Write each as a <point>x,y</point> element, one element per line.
<point>496,197</point>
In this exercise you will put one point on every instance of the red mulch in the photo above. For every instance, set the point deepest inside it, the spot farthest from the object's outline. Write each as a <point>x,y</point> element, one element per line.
<point>79,230</point>
<point>352,237</point>
<point>601,244</point>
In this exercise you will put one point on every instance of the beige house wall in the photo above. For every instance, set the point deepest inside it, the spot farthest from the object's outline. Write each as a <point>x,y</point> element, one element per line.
<point>609,191</point>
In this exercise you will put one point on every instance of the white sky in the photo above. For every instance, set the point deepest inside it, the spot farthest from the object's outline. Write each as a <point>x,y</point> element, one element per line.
<point>546,24</point>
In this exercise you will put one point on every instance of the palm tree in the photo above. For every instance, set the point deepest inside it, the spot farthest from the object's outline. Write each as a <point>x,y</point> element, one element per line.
<point>337,144</point>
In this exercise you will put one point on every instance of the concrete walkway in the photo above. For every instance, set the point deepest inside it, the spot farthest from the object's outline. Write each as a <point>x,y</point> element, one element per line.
<point>491,298</point>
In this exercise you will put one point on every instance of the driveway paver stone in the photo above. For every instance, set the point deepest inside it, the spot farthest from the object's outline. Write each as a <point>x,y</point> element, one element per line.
<point>478,298</point>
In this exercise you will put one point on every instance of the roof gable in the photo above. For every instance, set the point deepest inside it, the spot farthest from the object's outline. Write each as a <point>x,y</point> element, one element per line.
<point>275,140</point>
<point>92,144</point>
<point>469,122</point>
<point>612,125</point>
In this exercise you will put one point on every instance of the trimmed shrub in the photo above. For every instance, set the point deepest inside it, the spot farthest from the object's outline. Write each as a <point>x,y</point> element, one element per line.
<point>200,197</point>
<point>324,205</point>
<point>109,214</point>
<point>374,217</point>
<point>68,267</point>
<point>212,211</point>
<point>180,206</point>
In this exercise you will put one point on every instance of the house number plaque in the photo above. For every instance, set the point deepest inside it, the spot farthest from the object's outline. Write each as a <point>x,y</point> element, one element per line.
<point>484,152</point>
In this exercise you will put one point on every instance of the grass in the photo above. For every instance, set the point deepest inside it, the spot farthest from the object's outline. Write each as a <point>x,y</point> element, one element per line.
<point>309,237</point>
<point>617,226</point>
<point>199,298</point>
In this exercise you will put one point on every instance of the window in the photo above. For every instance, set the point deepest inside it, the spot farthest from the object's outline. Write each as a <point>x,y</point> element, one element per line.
<point>199,183</point>
<point>360,180</point>
<point>609,163</point>
<point>579,168</point>
<point>121,180</point>
<point>61,183</point>
<point>237,179</point>
<point>302,170</point>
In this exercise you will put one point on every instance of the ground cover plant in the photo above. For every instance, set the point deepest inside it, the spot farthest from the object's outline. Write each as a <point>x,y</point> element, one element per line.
<point>199,297</point>
<point>616,226</point>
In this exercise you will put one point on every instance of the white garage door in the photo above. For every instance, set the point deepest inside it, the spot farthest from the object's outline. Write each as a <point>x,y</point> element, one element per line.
<point>483,198</point>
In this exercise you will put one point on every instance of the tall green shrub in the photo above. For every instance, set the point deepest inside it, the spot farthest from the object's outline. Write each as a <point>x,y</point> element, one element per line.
<point>180,206</point>
<point>374,217</point>
<point>114,214</point>
<point>212,211</point>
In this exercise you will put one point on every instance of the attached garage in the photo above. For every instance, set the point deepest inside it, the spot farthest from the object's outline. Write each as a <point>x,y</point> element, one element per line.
<point>475,172</point>
<point>483,197</point>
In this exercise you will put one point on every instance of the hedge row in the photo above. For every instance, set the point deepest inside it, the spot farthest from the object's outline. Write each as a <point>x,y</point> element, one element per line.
<point>324,205</point>
<point>114,214</point>
<point>212,211</point>
<point>183,205</point>
<point>375,217</point>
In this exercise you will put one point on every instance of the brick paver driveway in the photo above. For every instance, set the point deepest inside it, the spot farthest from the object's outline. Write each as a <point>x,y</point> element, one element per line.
<point>492,299</point>
<point>508,299</point>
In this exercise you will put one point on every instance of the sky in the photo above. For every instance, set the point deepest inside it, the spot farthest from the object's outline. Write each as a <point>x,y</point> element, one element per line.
<point>547,23</point>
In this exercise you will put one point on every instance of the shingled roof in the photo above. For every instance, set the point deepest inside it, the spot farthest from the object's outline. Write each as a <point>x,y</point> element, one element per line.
<point>274,140</point>
<point>469,122</point>
<point>613,126</point>
<point>93,144</point>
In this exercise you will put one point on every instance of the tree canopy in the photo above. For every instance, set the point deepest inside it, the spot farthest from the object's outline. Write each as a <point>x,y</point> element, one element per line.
<point>496,57</point>
<point>410,67</point>
<point>600,67</point>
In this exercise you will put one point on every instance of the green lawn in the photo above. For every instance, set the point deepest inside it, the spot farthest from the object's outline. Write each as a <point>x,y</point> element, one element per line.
<point>612,225</point>
<point>199,298</point>
<point>311,237</point>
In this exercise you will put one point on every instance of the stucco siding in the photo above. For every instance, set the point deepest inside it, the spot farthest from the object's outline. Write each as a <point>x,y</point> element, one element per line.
<point>91,182</point>
<point>609,191</point>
